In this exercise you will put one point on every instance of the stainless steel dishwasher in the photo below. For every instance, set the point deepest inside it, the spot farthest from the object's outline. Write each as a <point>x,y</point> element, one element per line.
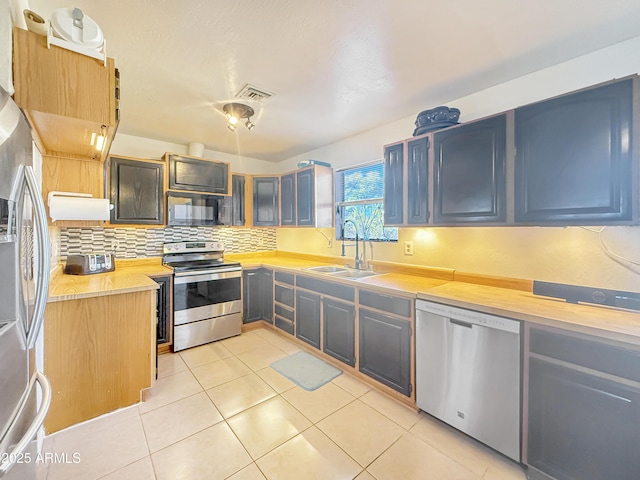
<point>468,373</point>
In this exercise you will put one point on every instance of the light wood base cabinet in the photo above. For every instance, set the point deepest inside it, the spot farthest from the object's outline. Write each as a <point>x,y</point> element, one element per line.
<point>98,355</point>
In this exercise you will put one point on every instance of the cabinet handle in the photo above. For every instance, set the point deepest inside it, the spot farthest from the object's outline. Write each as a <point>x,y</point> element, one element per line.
<point>461,323</point>
<point>608,394</point>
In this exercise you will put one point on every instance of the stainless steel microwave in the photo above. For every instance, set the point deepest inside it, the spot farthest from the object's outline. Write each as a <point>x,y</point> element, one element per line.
<point>196,210</point>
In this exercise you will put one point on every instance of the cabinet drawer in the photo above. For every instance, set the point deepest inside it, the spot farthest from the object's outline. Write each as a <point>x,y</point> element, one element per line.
<point>284,295</point>
<point>386,303</point>
<point>284,312</point>
<point>283,277</point>
<point>587,352</point>
<point>284,324</point>
<point>332,289</point>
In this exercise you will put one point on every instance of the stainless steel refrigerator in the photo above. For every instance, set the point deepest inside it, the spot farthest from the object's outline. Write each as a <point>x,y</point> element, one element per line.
<point>25,393</point>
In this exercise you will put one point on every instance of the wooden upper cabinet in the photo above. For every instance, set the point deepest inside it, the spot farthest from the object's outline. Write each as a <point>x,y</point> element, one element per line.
<point>137,188</point>
<point>574,158</point>
<point>394,184</point>
<point>198,174</point>
<point>67,96</point>
<point>469,172</point>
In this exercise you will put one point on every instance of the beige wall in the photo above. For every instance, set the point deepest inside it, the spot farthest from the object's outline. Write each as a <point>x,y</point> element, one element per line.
<point>568,255</point>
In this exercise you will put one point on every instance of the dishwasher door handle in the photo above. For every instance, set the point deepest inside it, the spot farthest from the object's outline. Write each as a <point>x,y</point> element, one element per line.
<point>461,323</point>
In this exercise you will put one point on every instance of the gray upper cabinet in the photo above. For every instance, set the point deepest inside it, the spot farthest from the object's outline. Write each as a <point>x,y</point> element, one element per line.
<point>136,188</point>
<point>238,211</point>
<point>198,174</point>
<point>305,193</point>
<point>393,184</point>
<point>574,158</point>
<point>265,201</point>
<point>469,171</point>
<point>288,199</point>
<point>418,181</point>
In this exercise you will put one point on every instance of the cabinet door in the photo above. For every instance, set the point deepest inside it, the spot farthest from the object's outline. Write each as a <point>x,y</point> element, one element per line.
<point>393,184</point>
<point>418,181</point>
<point>469,172</point>
<point>581,426</point>
<point>266,294</point>
<point>265,201</point>
<point>288,199</point>
<point>137,192</point>
<point>237,200</point>
<point>306,194</point>
<point>186,173</point>
<point>573,158</point>
<point>338,321</point>
<point>385,350</point>
<point>308,317</point>
<point>251,297</point>
<point>163,310</point>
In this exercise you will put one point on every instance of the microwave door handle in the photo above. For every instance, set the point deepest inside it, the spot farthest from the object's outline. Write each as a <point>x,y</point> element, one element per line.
<point>36,424</point>
<point>43,257</point>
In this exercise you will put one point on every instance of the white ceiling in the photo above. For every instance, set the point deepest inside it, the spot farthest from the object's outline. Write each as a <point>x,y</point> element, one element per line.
<point>337,67</point>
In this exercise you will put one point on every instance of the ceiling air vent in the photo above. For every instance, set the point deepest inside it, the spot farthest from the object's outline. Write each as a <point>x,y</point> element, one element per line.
<point>249,92</point>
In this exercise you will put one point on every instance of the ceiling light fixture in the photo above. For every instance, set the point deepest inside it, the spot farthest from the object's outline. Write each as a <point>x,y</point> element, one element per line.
<point>237,111</point>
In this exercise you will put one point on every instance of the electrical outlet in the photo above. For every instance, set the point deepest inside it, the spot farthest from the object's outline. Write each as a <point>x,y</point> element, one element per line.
<point>408,248</point>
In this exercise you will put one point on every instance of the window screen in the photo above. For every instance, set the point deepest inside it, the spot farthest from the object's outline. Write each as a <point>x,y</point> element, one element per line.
<point>359,198</point>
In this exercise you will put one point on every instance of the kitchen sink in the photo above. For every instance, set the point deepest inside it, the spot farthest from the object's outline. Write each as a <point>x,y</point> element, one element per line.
<point>355,274</point>
<point>328,269</point>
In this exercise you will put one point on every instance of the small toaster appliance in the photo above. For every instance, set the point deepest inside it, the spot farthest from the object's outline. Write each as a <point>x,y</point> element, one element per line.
<point>90,263</point>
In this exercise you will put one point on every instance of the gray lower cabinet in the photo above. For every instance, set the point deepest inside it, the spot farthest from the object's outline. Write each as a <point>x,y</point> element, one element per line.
<point>257,295</point>
<point>163,309</point>
<point>385,349</point>
<point>308,317</point>
<point>338,324</point>
<point>284,298</point>
<point>583,408</point>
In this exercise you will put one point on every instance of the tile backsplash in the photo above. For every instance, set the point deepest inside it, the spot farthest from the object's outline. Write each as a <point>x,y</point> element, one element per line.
<point>147,242</point>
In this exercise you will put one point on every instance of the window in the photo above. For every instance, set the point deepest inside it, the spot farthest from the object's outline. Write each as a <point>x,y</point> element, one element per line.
<point>359,198</point>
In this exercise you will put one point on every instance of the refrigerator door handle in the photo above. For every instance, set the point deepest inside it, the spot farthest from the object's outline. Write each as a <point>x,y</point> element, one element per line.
<point>43,257</point>
<point>36,424</point>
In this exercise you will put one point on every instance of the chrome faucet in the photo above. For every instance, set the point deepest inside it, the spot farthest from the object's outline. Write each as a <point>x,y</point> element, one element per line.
<point>357,261</point>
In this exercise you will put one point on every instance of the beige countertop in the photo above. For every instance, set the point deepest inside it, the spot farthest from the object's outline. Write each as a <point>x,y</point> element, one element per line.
<point>611,323</point>
<point>437,285</point>
<point>129,276</point>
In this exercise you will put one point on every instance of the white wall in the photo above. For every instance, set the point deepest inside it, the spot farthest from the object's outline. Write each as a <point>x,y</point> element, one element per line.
<point>616,61</point>
<point>140,147</point>
<point>567,255</point>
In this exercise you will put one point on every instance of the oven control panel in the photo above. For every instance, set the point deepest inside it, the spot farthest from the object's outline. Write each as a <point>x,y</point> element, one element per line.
<point>192,247</point>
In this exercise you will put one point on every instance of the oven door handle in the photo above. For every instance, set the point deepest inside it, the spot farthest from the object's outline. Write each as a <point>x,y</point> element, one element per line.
<point>206,275</point>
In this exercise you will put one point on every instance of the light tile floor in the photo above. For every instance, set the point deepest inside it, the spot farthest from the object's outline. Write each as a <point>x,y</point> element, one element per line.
<point>219,411</point>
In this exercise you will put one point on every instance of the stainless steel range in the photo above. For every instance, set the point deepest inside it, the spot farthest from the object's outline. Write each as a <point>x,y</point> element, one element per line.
<point>207,293</point>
